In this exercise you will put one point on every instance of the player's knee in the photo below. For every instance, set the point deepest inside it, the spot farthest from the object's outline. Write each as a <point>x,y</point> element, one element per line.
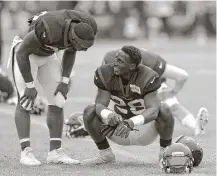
<point>89,113</point>
<point>166,114</point>
<point>59,100</point>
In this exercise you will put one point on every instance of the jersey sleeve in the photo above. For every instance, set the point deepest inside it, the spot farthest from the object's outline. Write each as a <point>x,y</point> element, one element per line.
<point>99,80</point>
<point>152,85</point>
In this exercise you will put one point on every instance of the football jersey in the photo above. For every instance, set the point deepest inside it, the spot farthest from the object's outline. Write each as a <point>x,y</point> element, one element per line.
<point>128,96</point>
<point>149,59</point>
<point>51,29</point>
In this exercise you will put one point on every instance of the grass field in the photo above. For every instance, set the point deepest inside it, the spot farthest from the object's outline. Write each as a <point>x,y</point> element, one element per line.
<point>200,90</point>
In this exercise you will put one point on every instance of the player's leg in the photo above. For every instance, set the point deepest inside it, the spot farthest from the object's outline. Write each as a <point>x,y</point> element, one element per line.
<point>94,126</point>
<point>197,125</point>
<point>165,127</point>
<point>145,135</point>
<point>22,120</point>
<point>49,76</point>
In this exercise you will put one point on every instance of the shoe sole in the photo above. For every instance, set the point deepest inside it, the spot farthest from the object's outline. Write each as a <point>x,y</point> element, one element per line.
<point>202,117</point>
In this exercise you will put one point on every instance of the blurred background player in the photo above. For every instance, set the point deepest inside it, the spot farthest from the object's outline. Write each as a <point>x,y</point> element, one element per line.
<point>138,115</point>
<point>34,61</point>
<point>167,94</point>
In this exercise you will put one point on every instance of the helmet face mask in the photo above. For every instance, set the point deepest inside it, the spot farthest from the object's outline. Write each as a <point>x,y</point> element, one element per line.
<point>177,158</point>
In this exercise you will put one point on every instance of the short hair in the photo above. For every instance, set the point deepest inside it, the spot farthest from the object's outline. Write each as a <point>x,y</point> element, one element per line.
<point>134,53</point>
<point>84,31</point>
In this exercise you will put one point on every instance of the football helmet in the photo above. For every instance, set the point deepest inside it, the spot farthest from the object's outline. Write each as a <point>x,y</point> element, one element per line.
<point>177,158</point>
<point>75,126</point>
<point>194,146</point>
<point>39,107</point>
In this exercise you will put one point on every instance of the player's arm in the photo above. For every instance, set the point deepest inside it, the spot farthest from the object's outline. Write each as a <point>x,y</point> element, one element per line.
<point>152,106</point>
<point>103,95</point>
<point>29,45</point>
<point>151,103</point>
<point>67,64</point>
<point>179,75</point>
<point>102,101</point>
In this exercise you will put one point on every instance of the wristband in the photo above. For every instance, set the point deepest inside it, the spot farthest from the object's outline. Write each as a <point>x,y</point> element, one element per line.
<point>65,80</point>
<point>30,85</point>
<point>138,120</point>
<point>105,113</point>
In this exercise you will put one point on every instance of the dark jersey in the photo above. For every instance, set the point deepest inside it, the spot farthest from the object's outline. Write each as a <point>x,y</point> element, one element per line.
<point>149,59</point>
<point>127,96</point>
<point>51,29</point>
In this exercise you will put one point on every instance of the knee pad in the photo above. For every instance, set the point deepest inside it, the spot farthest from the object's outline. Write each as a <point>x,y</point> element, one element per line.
<point>59,100</point>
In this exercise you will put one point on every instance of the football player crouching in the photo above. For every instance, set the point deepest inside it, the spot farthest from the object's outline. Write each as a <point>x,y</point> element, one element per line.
<point>137,117</point>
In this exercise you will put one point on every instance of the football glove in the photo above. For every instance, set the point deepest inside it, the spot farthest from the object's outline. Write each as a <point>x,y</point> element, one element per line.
<point>113,119</point>
<point>108,130</point>
<point>63,88</point>
<point>28,98</point>
<point>124,128</point>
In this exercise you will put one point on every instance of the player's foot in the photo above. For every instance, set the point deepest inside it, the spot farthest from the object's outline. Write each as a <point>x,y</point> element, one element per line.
<point>201,121</point>
<point>28,158</point>
<point>104,157</point>
<point>58,156</point>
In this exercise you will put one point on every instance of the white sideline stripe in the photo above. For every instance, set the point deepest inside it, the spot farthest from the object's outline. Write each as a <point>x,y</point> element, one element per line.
<point>123,152</point>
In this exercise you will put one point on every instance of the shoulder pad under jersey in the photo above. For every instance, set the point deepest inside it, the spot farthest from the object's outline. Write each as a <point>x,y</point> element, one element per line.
<point>149,80</point>
<point>103,77</point>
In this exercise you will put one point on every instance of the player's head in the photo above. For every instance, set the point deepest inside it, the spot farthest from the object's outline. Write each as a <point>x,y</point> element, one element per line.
<point>82,36</point>
<point>194,146</point>
<point>89,20</point>
<point>127,59</point>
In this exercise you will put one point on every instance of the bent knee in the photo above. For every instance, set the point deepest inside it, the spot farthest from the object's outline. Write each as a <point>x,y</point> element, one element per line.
<point>89,112</point>
<point>166,113</point>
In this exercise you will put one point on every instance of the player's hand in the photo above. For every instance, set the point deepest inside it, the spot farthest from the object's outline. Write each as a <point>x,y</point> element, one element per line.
<point>108,130</point>
<point>63,88</point>
<point>124,128</point>
<point>29,97</point>
<point>113,119</point>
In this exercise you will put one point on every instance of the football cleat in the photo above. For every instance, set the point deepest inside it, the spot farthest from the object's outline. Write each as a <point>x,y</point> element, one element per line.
<point>201,121</point>
<point>28,158</point>
<point>105,156</point>
<point>58,156</point>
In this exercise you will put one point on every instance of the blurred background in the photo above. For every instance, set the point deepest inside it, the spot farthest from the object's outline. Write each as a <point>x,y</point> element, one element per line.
<point>131,20</point>
<point>122,20</point>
